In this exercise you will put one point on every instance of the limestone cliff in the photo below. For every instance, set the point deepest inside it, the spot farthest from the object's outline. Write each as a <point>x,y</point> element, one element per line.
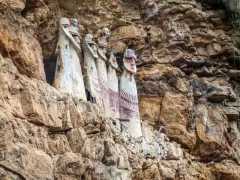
<point>188,81</point>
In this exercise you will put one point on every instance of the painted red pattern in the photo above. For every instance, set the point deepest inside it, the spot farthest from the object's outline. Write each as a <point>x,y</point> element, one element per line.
<point>128,106</point>
<point>113,100</point>
<point>103,88</point>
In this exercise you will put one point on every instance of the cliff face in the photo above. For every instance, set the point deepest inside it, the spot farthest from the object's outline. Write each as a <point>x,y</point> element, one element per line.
<point>188,81</point>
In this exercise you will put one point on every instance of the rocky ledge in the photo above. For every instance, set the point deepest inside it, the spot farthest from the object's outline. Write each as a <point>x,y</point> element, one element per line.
<point>188,81</point>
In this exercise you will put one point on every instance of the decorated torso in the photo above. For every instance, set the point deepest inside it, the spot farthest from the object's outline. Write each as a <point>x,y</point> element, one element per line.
<point>102,68</point>
<point>113,87</point>
<point>90,56</point>
<point>68,75</point>
<point>128,94</point>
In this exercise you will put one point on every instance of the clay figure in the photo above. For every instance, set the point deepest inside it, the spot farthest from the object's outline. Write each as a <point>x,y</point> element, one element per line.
<point>68,75</point>
<point>77,76</point>
<point>113,87</point>
<point>91,76</point>
<point>102,68</point>
<point>128,95</point>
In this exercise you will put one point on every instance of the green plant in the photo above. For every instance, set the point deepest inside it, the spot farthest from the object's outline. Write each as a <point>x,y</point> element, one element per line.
<point>233,11</point>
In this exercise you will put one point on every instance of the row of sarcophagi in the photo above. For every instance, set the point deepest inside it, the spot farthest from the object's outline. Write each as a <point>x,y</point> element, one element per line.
<point>101,85</point>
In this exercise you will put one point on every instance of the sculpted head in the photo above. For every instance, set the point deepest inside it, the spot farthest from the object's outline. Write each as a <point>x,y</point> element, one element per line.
<point>75,22</point>
<point>91,44</point>
<point>106,32</point>
<point>64,22</point>
<point>88,37</point>
<point>129,61</point>
<point>113,60</point>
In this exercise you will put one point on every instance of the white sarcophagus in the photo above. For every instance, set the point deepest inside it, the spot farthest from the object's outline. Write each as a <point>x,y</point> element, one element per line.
<point>68,75</point>
<point>77,76</point>
<point>129,110</point>
<point>102,69</point>
<point>113,87</point>
<point>91,74</point>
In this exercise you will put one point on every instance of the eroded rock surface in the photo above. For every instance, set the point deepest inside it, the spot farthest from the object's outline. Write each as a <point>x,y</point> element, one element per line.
<point>188,81</point>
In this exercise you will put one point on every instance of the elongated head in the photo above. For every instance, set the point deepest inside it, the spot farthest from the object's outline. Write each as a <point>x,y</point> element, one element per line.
<point>64,21</point>
<point>113,60</point>
<point>129,60</point>
<point>75,22</point>
<point>106,31</point>
<point>88,37</point>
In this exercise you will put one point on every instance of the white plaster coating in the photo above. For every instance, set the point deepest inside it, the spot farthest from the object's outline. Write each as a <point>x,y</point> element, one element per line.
<point>113,87</point>
<point>102,69</point>
<point>77,77</point>
<point>68,75</point>
<point>129,96</point>
<point>91,75</point>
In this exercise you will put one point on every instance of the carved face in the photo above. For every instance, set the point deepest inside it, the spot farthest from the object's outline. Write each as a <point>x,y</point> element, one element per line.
<point>91,44</point>
<point>129,60</point>
<point>113,61</point>
<point>94,48</point>
<point>64,22</point>
<point>106,31</point>
<point>75,22</point>
<point>88,37</point>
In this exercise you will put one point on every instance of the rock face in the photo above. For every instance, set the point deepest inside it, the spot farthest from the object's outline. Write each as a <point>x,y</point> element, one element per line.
<point>18,43</point>
<point>188,82</point>
<point>176,123</point>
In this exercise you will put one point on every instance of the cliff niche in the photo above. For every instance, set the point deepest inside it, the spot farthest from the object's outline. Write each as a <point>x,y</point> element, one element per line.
<point>187,81</point>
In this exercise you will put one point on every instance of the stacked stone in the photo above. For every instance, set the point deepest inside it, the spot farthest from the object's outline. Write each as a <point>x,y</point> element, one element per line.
<point>114,101</point>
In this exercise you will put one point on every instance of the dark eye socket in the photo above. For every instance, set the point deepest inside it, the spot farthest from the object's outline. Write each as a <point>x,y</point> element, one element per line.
<point>129,60</point>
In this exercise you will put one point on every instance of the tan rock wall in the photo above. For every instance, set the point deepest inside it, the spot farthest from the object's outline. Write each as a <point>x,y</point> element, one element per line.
<point>18,43</point>
<point>184,69</point>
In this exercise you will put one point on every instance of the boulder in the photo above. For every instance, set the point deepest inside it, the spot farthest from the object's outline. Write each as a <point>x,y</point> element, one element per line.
<point>150,109</point>
<point>218,94</point>
<point>174,151</point>
<point>126,32</point>
<point>28,162</point>
<point>70,166</point>
<point>232,113</point>
<point>168,168</point>
<point>214,91</point>
<point>15,5</point>
<point>210,130</point>
<point>151,172</point>
<point>233,73</point>
<point>19,43</point>
<point>174,116</point>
